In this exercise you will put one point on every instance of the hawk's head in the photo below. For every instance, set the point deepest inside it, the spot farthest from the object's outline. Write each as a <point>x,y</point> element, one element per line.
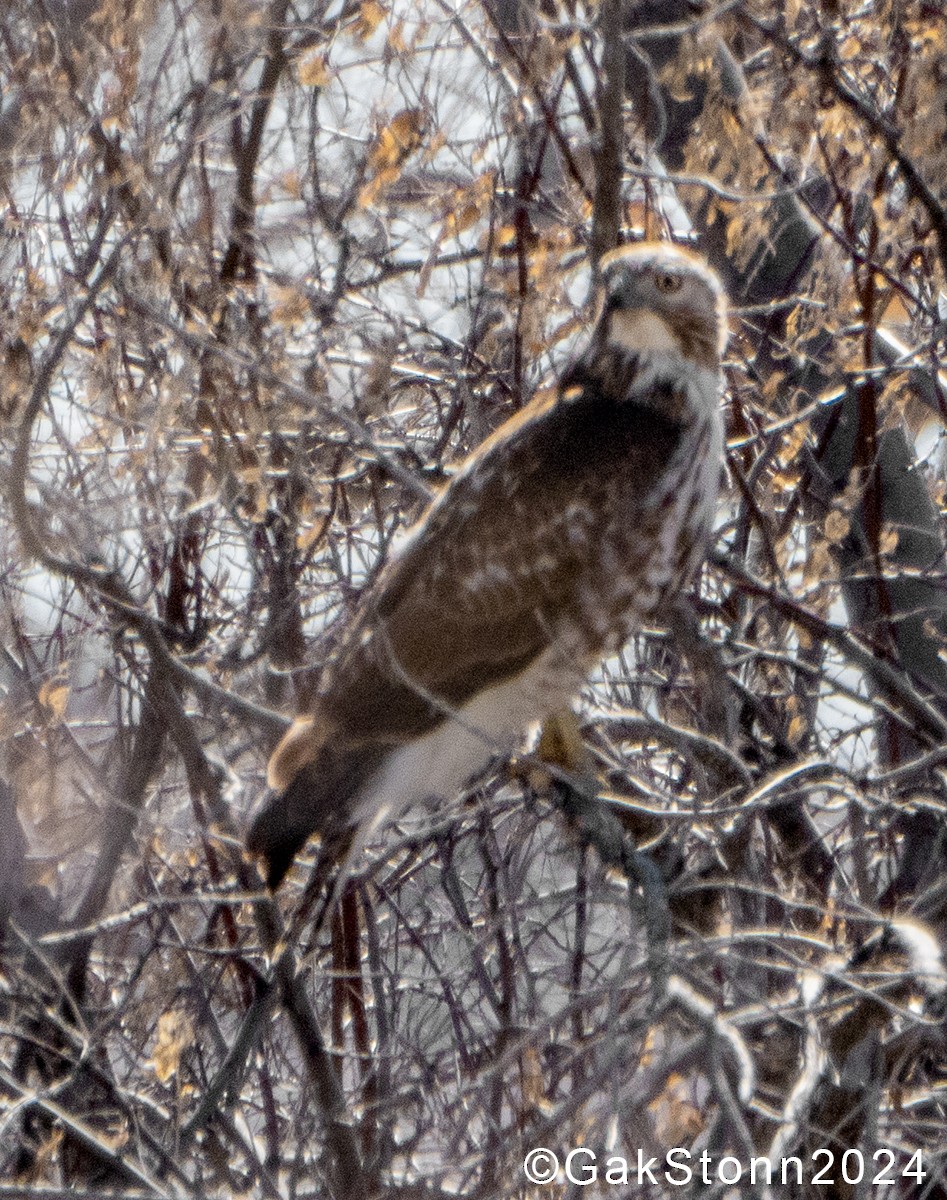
<point>660,300</point>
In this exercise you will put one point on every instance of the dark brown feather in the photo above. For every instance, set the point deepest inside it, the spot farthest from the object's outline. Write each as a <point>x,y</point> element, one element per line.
<point>422,634</point>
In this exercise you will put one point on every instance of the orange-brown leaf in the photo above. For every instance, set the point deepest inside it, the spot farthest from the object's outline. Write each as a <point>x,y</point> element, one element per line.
<point>175,1035</point>
<point>313,70</point>
<point>370,16</point>
<point>54,696</point>
<point>400,137</point>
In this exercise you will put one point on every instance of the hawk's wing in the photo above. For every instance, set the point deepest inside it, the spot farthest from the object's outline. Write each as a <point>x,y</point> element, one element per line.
<point>500,566</point>
<point>495,570</point>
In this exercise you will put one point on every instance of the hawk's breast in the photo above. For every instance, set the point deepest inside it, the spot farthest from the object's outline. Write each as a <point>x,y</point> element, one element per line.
<point>647,526</point>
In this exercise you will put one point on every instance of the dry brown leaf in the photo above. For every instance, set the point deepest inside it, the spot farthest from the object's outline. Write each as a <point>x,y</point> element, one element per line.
<point>370,16</point>
<point>313,70</point>
<point>54,696</point>
<point>399,138</point>
<point>837,525</point>
<point>175,1035</point>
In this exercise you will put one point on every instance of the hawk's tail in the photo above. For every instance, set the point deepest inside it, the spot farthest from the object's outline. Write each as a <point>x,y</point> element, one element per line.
<point>282,826</point>
<point>319,799</point>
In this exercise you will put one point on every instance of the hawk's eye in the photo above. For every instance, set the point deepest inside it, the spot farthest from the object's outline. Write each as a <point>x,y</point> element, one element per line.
<point>665,282</point>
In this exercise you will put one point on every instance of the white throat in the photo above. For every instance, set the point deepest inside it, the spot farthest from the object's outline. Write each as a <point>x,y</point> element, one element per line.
<point>637,331</point>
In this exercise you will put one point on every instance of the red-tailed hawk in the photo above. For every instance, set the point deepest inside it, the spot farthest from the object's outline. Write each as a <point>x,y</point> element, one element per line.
<point>581,517</point>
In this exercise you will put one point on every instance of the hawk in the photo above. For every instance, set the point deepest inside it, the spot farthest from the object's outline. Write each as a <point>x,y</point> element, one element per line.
<point>580,518</point>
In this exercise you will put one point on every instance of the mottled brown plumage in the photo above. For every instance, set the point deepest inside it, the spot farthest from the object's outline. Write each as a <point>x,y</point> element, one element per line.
<point>577,520</point>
